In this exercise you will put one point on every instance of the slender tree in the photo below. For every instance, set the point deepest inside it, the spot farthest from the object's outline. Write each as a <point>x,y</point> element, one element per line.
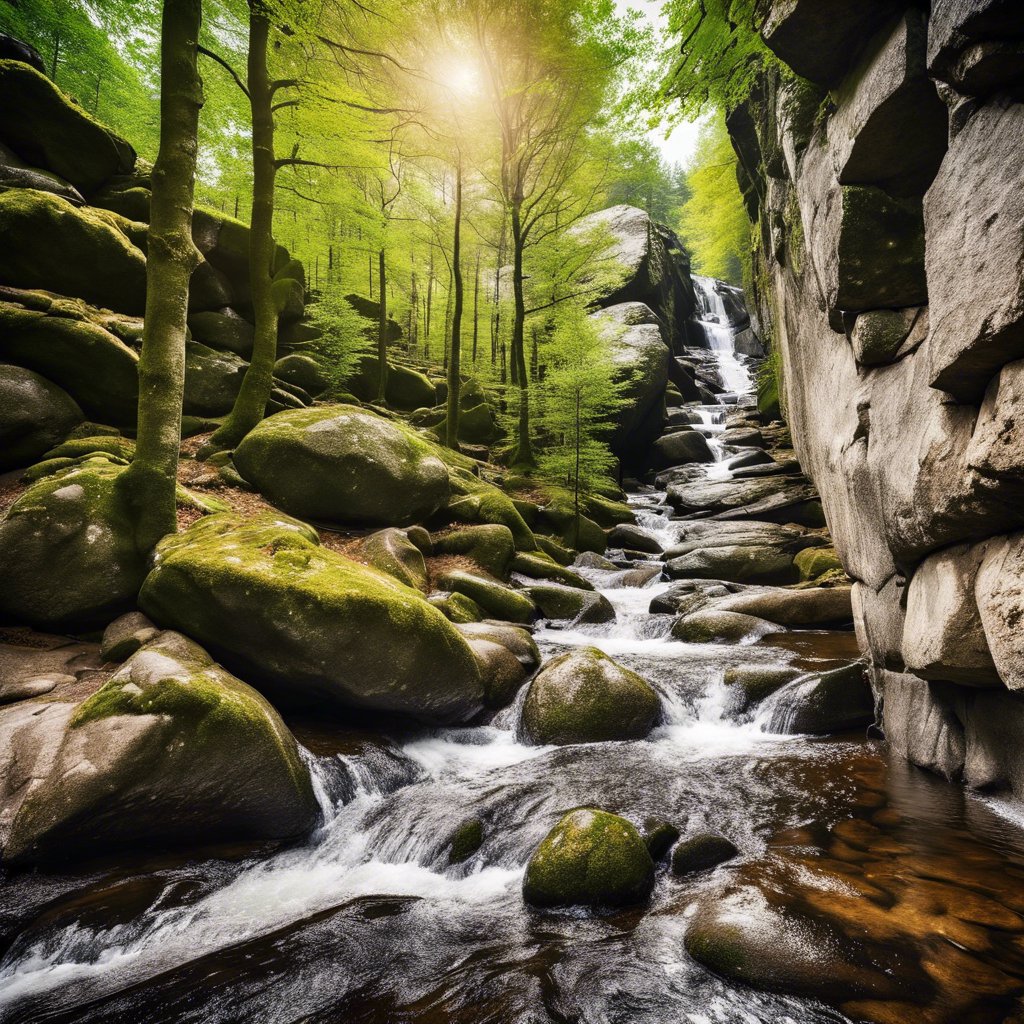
<point>455,358</point>
<point>151,480</point>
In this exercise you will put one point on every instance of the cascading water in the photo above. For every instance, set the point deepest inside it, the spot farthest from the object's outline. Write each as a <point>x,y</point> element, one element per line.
<point>720,328</point>
<point>368,921</point>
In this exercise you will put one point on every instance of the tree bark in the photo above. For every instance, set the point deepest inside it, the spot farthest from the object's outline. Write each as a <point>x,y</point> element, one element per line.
<point>476,306</point>
<point>455,360</point>
<point>251,403</point>
<point>524,448</point>
<point>430,299</point>
<point>382,331</point>
<point>151,480</point>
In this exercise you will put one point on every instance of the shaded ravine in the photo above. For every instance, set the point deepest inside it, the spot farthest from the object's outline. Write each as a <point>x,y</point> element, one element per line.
<point>367,921</point>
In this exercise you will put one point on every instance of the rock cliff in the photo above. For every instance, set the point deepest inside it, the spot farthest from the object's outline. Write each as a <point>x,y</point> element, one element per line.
<point>882,168</point>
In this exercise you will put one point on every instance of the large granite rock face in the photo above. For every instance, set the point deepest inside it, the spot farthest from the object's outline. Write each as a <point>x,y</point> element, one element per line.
<point>890,262</point>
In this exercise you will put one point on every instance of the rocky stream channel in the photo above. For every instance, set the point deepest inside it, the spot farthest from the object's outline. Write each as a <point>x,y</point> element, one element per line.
<point>865,888</point>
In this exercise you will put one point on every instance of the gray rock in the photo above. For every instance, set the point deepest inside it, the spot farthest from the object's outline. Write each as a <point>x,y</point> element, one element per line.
<point>633,538</point>
<point>125,635</point>
<point>51,662</point>
<point>710,626</point>
<point>35,415</point>
<point>702,852</point>
<point>920,723</point>
<point>956,26</point>
<point>999,592</point>
<point>825,703</point>
<point>885,335</point>
<point>224,330</point>
<point>582,606</point>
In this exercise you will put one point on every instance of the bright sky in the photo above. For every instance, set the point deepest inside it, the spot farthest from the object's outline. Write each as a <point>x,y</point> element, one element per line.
<point>680,146</point>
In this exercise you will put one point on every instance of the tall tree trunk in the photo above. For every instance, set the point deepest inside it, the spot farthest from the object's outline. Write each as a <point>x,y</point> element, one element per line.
<point>476,305</point>
<point>455,361</point>
<point>382,331</point>
<point>251,403</point>
<point>448,322</point>
<point>524,449</point>
<point>430,299</point>
<point>496,328</point>
<point>150,482</point>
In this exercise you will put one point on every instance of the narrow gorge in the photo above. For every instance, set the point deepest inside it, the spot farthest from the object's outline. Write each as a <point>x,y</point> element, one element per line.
<point>571,635</point>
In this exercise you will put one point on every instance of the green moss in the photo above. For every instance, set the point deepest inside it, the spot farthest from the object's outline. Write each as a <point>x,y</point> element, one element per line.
<point>392,552</point>
<point>539,566</point>
<point>500,601</point>
<point>815,562</point>
<point>122,447</point>
<point>590,858</point>
<point>457,607</point>
<point>466,841</point>
<point>491,546</point>
<point>563,556</point>
<point>586,697</point>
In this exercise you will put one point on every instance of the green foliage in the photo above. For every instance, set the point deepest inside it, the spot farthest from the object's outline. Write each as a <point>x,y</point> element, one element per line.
<point>345,337</point>
<point>717,55</point>
<point>581,392</point>
<point>638,176</point>
<point>713,222</point>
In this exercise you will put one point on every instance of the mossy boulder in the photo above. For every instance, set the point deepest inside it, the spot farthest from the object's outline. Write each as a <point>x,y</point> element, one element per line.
<point>825,703</point>
<point>581,533</point>
<point>751,684</point>
<point>515,638</point>
<point>586,697</point>
<point>466,840</point>
<point>563,556</point>
<point>338,463</point>
<point>540,566</point>
<point>477,425</point>
<point>391,551</point>
<point>406,389</point>
<point>814,562</point>
<point>35,415</point>
<point>308,626</point>
<point>560,602</point>
<point>172,750</point>
<point>502,671</point>
<point>301,371</point>
<point>224,330</point>
<point>125,635</point>
<point>475,501</point>
<point>500,601</point>
<point>457,608</point>
<point>659,835</point>
<point>50,243</point>
<point>590,858</point>
<point>491,546</point>
<point>67,345</point>
<point>101,444</point>
<point>68,559</point>
<point>46,129</point>
<point>711,625</point>
<point>701,852</point>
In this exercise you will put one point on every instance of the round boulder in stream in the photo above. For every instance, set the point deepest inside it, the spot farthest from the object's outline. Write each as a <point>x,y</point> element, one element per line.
<point>586,697</point>
<point>590,858</point>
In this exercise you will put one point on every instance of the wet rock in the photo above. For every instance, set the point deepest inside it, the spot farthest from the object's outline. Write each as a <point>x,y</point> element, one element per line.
<point>709,625</point>
<point>592,560</point>
<point>701,852</point>
<point>503,673</point>
<point>751,684</point>
<point>920,722</point>
<point>741,563</point>
<point>680,448</point>
<point>539,566</point>
<point>468,838</point>
<point>743,437</point>
<point>309,626</point>
<point>43,127</point>
<point>172,750</point>
<point>513,638</point>
<point>80,513</point>
<point>125,635</point>
<point>633,538</point>
<point>590,858</point>
<point>826,703</point>
<point>586,697</point>
<point>974,212</point>
<point>340,464</point>
<point>658,837</point>
<point>581,606</point>
<point>500,601</point>
<point>34,416</point>
<point>815,607</point>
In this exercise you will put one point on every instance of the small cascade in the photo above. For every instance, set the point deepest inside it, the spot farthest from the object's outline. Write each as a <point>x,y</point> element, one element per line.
<point>721,315</point>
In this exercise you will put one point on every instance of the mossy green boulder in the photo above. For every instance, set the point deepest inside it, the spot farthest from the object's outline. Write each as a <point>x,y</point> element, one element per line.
<point>500,601</point>
<point>406,389</point>
<point>66,344</point>
<point>586,697</point>
<point>590,858</point>
<point>172,750</point>
<point>301,371</point>
<point>466,840</point>
<point>581,606</point>
<point>538,565</point>
<point>308,626</point>
<point>77,251</point>
<point>391,551</point>
<point>224,330</point>
<point>46,129</point>
<point>490,545</point>
<point>35,415</point>
<point>457,608</point>
<point>68,559</point>
<point>815,562</point>
<point>517,639</point>
<point>341,464</point>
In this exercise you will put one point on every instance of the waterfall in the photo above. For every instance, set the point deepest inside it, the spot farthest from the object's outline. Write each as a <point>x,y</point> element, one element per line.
<point>720,326</point>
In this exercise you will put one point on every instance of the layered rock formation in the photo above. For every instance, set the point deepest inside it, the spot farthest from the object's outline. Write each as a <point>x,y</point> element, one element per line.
<point>888,192</point>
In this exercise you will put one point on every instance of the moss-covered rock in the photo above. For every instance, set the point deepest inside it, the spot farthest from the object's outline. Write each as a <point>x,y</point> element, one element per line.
<point>178,752</point>
<point>586,697</point>
<point>701,852</point>
<point>502,671</point>
<point>307,625</point>
<point>515,638</point>
<point>50,243</point>
<point>213,379</point>
<point>457,608</point>
<point>224,330</point>
<point>583,533</point>
<point>406,389</point>
<point>563,556</point>
<point>466,840</point>
<point>392,551</point>
<point>35,415</point>
<point>710,626</point>
<point>825,703</point>
<point>751,684</point>
<point>338,463</point>
<point>491,546</point>
<point>814,562</point>
<point>559,602</point>
<point>303,372</point>
<point>590,858</point>
<point>68,559</point>
<point>65,343</point>
<point>659,835</point>
<point>539,566</point>
<point>500,601</point>
<point>44,128</point>
<point>475,501</point>
<point>102,444</point>
<point>125,635</point>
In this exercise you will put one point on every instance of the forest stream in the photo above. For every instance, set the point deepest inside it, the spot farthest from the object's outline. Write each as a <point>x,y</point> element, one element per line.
<point>369,922</point>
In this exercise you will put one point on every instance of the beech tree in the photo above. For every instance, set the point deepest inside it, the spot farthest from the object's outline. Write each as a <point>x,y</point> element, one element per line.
<point>151,480</point>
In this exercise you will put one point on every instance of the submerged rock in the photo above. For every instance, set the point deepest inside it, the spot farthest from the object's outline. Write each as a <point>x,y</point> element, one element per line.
<point>590,858</point>
<point>702,852</point>
<point>338,463</point>
<point>586,697</point>
<point>171,750</point>
<point>307,625</point>
<point>467,839</point>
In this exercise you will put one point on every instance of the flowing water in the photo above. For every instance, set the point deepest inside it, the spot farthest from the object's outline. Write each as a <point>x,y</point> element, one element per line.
<point>368,922</point>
